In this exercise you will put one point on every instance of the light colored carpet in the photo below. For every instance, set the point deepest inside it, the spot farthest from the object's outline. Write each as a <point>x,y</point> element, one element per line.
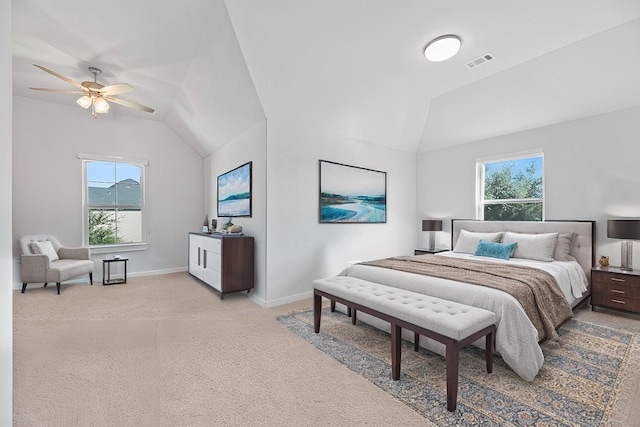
<point>166,351</point>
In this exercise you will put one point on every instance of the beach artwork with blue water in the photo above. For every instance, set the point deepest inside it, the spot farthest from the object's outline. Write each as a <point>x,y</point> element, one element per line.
<point>349,194</point>
<point>234,192</point>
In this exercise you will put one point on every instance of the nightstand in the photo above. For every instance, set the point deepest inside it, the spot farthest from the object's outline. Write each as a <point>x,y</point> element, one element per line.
<point>613,287</point>
<point>424,251</point>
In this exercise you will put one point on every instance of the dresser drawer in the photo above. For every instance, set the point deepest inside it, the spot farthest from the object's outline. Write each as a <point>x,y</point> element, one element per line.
<point>620,303</point>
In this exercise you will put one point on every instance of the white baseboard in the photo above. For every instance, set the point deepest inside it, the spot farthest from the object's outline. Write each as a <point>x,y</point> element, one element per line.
<point>283,301</point>
<point>97,275</point>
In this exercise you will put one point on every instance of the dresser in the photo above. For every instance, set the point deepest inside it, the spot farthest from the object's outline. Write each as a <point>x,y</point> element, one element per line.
<point>615,288</point>
<point>223,261</point>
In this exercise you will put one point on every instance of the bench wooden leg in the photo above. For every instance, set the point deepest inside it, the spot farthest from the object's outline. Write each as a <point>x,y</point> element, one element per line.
<point>317,309</point>
<point>333,306</point>
<point>453,356</point>
<point>396,350</point>
<point>416,341</point>
<point>353,316</point>
<point>490,345</point>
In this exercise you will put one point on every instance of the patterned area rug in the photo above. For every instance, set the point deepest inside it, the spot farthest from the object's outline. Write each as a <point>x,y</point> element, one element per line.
<point>577,385</point>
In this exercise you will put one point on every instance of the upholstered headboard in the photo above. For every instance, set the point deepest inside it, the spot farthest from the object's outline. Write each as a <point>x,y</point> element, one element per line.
<point>583,247</point>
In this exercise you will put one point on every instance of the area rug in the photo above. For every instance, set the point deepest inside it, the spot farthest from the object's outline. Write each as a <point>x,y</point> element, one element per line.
<point>578,384</point>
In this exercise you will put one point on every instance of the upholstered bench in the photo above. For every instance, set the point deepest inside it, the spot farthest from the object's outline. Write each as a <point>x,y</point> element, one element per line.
<point>453,324</point>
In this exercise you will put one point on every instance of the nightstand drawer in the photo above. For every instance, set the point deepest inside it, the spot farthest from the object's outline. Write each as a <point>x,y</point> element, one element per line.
<point>620,303</point>
<point>616,278</point>
<point>617,290</point>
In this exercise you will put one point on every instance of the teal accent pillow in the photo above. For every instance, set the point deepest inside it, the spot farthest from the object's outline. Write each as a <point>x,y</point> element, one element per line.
<point>495,250</point>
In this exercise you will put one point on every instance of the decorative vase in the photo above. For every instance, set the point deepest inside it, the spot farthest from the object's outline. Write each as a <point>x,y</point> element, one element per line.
<point>604,261</point>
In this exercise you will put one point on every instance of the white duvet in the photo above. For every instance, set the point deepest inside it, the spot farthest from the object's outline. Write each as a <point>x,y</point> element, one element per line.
<point>516,338</point>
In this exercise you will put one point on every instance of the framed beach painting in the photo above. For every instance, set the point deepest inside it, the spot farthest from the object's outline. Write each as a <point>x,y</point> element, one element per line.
<point>351,194</point>
<point>234,192</point>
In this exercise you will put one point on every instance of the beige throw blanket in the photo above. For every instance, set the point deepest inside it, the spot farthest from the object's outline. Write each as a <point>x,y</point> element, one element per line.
<point>536,290</point>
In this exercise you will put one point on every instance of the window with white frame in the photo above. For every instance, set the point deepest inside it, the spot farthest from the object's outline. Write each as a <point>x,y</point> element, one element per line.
<point>511,189</point>
<point>114,202</point>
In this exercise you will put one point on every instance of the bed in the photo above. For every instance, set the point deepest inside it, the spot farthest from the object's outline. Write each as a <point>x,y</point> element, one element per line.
<point>517,338</point>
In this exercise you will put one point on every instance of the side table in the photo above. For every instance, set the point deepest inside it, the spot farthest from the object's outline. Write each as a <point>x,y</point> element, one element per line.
<point>106,277</point>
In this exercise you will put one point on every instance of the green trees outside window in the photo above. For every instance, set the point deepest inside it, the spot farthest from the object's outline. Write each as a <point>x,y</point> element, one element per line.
<point>512,190</point>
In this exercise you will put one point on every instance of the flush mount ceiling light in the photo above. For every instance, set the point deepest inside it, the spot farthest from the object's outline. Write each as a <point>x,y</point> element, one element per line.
<point>442,48</point>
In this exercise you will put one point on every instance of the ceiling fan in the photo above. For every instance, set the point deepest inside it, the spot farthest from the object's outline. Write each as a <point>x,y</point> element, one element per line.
<point>94,94</point>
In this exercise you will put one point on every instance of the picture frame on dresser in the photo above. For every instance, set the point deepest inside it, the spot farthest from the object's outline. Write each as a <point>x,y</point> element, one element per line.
<point>234,192</point>
<point>351,194</point>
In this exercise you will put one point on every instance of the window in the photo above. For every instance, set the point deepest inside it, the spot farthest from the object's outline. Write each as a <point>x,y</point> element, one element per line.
<point>511,189</point>
<point>113,195</point>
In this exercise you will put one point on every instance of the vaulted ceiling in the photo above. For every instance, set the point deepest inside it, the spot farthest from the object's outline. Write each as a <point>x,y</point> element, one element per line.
<point>213,68</point>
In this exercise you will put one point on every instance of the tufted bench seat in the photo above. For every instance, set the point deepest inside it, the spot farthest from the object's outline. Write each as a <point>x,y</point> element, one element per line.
<point>453,324</point>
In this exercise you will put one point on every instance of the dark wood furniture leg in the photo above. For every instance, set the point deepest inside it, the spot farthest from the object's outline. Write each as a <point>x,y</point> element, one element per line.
<point>317,309</point>
<point>453,356</point>
<point>396,350</point>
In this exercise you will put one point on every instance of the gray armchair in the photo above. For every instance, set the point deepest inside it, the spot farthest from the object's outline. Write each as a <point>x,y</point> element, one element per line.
<point>45,260</point>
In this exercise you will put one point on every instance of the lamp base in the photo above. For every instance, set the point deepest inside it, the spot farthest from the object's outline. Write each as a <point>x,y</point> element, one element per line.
<point>432,240</point>
<point>626,258</point>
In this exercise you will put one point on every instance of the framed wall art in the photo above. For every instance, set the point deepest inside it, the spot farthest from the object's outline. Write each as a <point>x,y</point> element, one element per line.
<point>351,194</point>
<point>234,192</point>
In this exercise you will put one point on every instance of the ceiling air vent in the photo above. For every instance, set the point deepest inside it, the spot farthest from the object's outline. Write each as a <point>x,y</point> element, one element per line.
<point>481,60</point>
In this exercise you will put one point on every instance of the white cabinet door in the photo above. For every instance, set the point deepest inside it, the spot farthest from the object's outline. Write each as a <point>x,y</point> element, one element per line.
<point>212,265</point>
<point>196,255</point>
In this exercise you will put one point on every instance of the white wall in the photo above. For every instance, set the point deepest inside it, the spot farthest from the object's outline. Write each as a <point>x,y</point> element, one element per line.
<point>6,294</point>
<point>299,249</point>
<point>47,178</point>
<point>250,146</point>
<point>590,166</point>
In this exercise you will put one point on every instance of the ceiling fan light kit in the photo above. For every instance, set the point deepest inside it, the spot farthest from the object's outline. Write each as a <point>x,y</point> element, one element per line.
<point>85,101</point>
<point>95,95</point>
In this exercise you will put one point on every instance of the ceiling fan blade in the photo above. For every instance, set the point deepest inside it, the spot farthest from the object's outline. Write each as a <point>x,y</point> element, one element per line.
<point>129,104</point>
<point>75,92</point>
<point>116,89</point>
<point>53,73</point>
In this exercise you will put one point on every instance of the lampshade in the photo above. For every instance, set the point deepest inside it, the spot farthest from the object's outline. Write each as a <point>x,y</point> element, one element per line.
<point>84,101</point>
<point>102,106</point>
<point>442,48</point>
<point>626,229</point>
<point>431,225</point>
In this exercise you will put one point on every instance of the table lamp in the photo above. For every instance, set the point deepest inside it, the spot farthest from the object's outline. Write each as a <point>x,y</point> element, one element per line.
<point>628,230</point>
<point>432,225</point>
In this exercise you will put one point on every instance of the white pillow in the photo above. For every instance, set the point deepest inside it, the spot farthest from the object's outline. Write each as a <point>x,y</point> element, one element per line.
<point>564,246</point>
<point>44,248</point>
<point>468,240</point>
<point>540,247</point>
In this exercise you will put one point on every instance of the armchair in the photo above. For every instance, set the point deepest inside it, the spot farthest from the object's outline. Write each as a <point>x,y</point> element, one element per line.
<point>45,260</point>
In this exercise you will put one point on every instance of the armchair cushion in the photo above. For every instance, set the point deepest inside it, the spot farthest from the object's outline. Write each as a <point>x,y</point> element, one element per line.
<point>44,248</point>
